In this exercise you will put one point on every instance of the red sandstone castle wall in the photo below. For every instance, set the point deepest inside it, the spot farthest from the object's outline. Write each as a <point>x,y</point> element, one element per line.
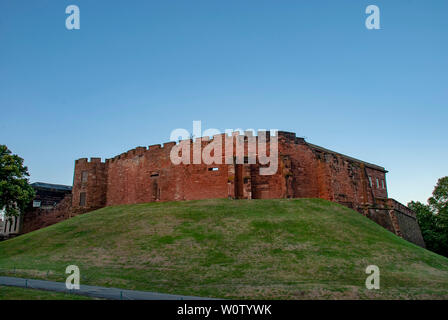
<point>145,175</point>
<point>304,170</point>
<point>320,173</point>
<point>94,187</point>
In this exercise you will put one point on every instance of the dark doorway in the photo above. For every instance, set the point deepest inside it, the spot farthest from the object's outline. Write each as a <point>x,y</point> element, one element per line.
<point>239,182</point>
<point>82,199</point>
<point>155,190</point>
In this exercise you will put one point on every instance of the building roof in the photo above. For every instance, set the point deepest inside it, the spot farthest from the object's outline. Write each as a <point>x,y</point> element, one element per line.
<point>44,185</point>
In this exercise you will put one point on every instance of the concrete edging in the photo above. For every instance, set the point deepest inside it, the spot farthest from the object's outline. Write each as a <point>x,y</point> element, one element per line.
<point>93,291</point>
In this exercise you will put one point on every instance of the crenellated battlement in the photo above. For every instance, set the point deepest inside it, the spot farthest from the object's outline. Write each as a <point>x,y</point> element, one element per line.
<point>205,140</point>
<point>82,160</point>
<point>142,151</point>
<point>91,160</point>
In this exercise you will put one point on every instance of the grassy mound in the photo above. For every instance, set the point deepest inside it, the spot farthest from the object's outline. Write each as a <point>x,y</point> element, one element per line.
<point>257,249</point>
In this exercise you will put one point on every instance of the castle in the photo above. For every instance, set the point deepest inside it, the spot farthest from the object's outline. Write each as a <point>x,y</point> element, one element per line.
<point>304,171</point>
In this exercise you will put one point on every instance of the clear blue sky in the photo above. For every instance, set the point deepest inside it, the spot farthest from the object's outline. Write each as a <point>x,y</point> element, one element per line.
<point>138,69</point>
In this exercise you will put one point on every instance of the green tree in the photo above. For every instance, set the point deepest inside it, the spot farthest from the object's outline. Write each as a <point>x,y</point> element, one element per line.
<point>433,218</point>
<point>15,190</point>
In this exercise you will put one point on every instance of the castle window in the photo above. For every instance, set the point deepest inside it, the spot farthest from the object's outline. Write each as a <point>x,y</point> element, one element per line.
<point>377,183</point>
<point>84,176</point>
<point>154,174</point>
<point>82,199</point>
<point>370,181</point>
<point>213,169</point>
<point>382,184</point>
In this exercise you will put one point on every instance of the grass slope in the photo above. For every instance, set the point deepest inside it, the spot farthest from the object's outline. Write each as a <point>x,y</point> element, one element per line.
<point>14,293</point>
<point>263,249</point>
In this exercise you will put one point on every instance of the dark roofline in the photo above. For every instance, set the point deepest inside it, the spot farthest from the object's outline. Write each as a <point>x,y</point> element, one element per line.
<point>367,164</point>
<point>51,186</point>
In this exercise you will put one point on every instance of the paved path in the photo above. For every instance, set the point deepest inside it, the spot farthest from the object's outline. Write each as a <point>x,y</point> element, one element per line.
<point>93,291</point>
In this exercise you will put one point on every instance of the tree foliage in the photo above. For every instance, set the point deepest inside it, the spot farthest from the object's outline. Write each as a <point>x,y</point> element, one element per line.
<point>433,218</point>
<point>15,190</point>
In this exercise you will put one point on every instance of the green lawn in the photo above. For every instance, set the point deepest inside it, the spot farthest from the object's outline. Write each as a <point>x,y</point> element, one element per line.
<point>14,293</point>
<point>256,249</point>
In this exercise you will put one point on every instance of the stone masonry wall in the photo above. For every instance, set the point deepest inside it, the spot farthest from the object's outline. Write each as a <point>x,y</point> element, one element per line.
<point>304,170</point>
<point>407,222</point>
<point>320,173</point>
<point>94,186</point>
<point>37,218</point>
